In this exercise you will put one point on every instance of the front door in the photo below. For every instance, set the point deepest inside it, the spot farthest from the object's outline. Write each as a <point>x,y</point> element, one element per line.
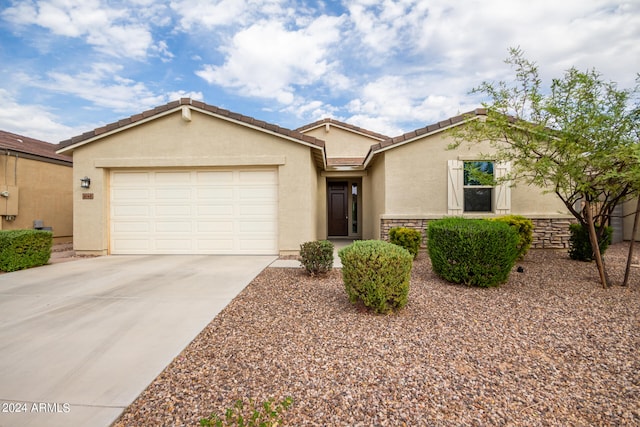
<point>338,209</point>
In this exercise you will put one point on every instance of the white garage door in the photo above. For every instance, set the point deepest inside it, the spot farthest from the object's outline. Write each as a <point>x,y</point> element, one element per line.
<point>194,212</point>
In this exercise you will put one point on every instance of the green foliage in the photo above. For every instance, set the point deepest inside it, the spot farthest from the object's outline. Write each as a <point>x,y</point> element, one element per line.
<point>580,248</point>
<point>377,274</point>
<point>408,238</point>
<point>317,257</point>
<point>249,414</point>
<point>472,251</point>
<point>20,249</point>
<point>576,139</point>
<point>524,227</point>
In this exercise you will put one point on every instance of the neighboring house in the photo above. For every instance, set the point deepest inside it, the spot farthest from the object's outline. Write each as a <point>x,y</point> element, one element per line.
<point>188,177</point>
<point>35,186</point>
<point>628,213</point>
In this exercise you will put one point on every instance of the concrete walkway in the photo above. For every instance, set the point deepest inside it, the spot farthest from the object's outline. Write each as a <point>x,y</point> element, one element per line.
<point>79,341</point>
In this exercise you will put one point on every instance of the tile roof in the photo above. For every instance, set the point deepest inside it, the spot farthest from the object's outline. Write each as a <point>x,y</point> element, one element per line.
<point>201,106</point>
<point>32,147</point>
<point>343,125</point>
<point>441,125</point>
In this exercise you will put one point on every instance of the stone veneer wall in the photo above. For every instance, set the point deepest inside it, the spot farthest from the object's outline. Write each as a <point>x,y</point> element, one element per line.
<point>548,233</point>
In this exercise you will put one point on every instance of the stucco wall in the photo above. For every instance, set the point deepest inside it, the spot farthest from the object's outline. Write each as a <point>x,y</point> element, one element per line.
<point>343,143</point>
<point>206,142</point>
<point>628,211</point>
<point>416,180</point>
<point>374,198</point>
<point>44,193</point>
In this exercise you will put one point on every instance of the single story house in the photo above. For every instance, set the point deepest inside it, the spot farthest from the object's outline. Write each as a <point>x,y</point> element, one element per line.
<point>188,177</point>
<point>35,186</point>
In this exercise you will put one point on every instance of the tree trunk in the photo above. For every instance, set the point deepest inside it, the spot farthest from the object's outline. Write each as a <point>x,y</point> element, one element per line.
<point>636,220</point>
<point>594,242</point>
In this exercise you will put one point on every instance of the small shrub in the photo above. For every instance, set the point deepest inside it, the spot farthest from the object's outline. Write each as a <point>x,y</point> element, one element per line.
<point>377,274</point>
<point>408,238</point>
<point>524,227</point>
<point>317,257</point>
<point>20,249</point>
<point>249,414</point>
<point>580,245</point>
<point>472,251</point>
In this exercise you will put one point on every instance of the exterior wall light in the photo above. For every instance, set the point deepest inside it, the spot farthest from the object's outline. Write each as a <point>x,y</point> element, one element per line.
<point>85,182</point>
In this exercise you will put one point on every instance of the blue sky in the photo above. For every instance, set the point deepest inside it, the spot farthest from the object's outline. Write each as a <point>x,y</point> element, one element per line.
<point>391,66</point>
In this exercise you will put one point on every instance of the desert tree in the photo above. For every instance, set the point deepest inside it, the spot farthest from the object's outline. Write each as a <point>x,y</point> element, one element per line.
<point>578,139</point>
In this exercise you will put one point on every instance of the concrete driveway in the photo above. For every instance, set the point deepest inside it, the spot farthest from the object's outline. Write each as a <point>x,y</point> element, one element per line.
<point>79,341</point>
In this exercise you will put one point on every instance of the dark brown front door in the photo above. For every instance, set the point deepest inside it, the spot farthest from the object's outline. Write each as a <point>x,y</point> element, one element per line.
<point>338,209</point>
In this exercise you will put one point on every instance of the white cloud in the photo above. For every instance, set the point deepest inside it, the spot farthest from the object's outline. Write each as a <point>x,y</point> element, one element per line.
<point>114,31</point>
<point>268,61</point>
<point>209,13</point>
<point>102,85</point>
<point>34,121</point>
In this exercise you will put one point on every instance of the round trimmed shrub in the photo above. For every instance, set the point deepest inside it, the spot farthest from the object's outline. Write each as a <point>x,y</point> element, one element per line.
<point>317,256</point>
<point>524,227</point>
<point>472,251</point>
<point>377,274</point>
<point>408,238</point>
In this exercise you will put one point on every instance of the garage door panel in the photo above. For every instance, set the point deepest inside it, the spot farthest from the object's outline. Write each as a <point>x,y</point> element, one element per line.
<point>257,227</point>
<point>257,193</point>
<point>215,210</point>
<point>218,245</point>
<point>131,245</point>
<point>215,226</point>
<point>130,178</point>
<point>132,211</point>
<point>215,193</point>
<point>172,210</point>
<point>256,210</point>
<point>172,178</point>
<point>173,194</point>
<point>132,193</point>
<point>173,226</point>
<point>214,177</point>
<point>250,244</point>
<point>209,212</point>
<point>131,226</point>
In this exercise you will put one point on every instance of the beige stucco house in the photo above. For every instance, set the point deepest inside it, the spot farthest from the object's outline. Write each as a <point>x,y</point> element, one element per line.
<point>35,186</point>
<point>188,177</point>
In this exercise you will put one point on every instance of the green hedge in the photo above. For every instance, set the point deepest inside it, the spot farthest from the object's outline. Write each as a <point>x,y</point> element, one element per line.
<point>20,249</point>
<point>408,238</point>
<point>376,273</point>
<point>472,251</point>
<point>316,257</point>
<point>580,244</point>
<point>524,227</point>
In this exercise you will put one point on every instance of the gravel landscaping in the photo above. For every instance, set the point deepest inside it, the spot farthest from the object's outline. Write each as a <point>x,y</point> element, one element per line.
<point>549,347</point>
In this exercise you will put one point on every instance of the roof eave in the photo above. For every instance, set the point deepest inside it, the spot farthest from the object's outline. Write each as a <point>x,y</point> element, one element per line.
<point>319,145</point>
<point>403,139</point>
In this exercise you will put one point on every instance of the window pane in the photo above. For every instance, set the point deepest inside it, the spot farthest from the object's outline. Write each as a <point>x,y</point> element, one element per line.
<point>471,178</point>
<point>354,208</point>
<point>477,199</point>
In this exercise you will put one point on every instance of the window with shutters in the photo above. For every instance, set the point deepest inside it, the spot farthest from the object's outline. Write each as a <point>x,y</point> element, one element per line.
<point>477,186</point>
<point>471,187</point>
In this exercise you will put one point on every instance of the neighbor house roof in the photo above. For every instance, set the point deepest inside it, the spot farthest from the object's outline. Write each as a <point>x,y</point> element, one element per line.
<point>191,104</point>
<point>347,126</point>
<point>31,148</point>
